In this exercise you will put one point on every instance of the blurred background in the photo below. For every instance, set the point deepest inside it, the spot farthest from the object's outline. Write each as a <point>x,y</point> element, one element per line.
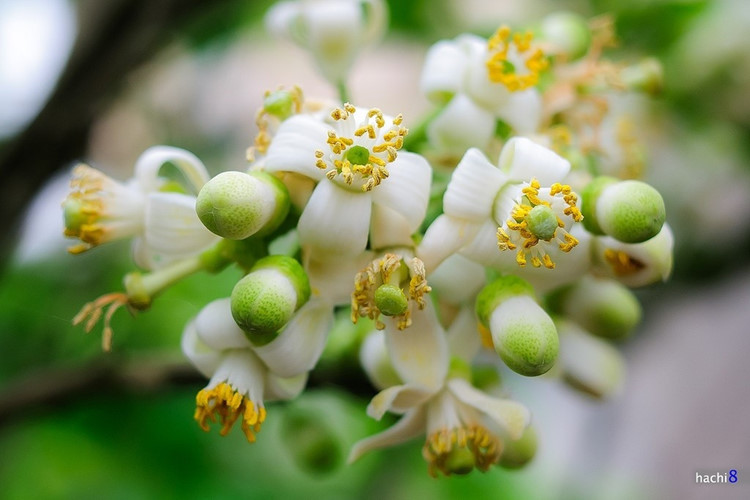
<point>103,81</point>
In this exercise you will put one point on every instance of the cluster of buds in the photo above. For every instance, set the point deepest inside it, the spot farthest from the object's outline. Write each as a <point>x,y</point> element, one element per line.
<point>531,256</point>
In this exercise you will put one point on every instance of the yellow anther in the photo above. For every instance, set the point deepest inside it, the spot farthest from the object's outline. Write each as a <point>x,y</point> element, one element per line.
<point>513,61</point>
<point>92,312</point>
<point>484,448</point>
<point>229,405</point>
<point>621,263</point>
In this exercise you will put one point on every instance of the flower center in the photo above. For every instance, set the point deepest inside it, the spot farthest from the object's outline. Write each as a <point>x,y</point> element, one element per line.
<point>229,405</point>
<point>459,450</point>
<point>513,62</point>
<point>389,286</point>
<point>533,221</point>
<point>360,158</point>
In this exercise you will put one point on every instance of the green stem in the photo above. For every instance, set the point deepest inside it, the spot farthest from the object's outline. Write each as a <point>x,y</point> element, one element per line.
<point>142,288</point>
<point>343,91</point>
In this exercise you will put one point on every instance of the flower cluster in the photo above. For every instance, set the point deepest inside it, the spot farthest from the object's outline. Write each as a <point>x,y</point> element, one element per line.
<point>514,225</point>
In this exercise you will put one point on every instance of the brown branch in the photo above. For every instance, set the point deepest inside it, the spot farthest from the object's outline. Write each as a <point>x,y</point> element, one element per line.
<point>61,386</point>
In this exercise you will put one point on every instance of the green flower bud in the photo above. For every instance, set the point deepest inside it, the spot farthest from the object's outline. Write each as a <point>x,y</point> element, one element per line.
<point>629,211</point>
<point>567,31</point>
<point>236,205</point>
<point>518,453</point>
<point>588,364</point>
<point>523,334</point>
<point>265,300</point>
<point>604,307</point>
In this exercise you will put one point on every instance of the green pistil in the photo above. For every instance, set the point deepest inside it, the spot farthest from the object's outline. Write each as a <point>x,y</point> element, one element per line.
<point>542,222</point>
<point>390,300</point>
<point>358,155</point>
<point>73,214</point>
<point>279,104</point>
<point>508,67</point>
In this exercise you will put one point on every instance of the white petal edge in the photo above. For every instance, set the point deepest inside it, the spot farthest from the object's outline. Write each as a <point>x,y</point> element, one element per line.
<point>419,353</point>
<point>150,162</point>
<point>443,71</point>
<point>407,188</point>
<point>373,356</point>
<point>524,159</point>
<point>299,345</point>
<point>293,147</point>
<point>336,220</point>
<point>173,229</point>
<point>473,187</point>
<point>445,236</point>
<point>523,111</point>
<point>461,125</point>
<point>408,427</point>
<point>398,399</point>
<point>463,335</point>
<point>284,388</point>
<point>202,357</point>
<point>457,279</point>
<point>217,329</point>
<point>510,415</point>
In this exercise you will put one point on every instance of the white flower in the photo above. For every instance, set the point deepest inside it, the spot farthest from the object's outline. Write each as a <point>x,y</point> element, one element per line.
<point>464,427</point>
<point>244,376</point>
<point>165,225</point>
<point>483,81</point>
<point>334,31</point>
<point>510,215</point>
<point>355,159</point>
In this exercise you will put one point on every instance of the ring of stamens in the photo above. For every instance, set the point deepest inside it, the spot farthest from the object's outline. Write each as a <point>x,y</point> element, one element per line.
<point>484,447</point>
<point>347,157</point>
<point>387,270</point>
<point>229,405</point>
<point>502,70</point>
<point>526,239</point>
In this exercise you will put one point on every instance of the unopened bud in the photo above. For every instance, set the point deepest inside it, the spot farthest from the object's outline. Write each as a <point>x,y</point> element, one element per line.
<point>567,31</point>
<point>236,205</point>
<point>629,211</point>
<point>519,452</point>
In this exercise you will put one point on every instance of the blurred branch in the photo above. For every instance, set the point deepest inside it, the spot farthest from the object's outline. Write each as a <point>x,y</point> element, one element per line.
<point>115,37</point>
<point>55,387</point>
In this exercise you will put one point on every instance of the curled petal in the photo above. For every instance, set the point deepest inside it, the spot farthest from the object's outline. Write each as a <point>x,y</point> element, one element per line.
<point>150,162</point>
<point>397,399</point>
<point>410,426</point>
<point>473,187</point>
<point>217,329</point>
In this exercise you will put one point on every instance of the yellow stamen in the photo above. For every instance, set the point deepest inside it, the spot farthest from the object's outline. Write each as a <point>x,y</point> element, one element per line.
<point>484,446</point>
<point>229,405</point>
<point>381,154</point>
<point>94,310</point>
<point>501,69</point>
<point>621,263</point>
<point>519,235</point>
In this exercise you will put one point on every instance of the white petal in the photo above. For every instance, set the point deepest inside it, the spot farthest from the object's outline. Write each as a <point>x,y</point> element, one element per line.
<point>281,17</point>
<point>655,256</point>
<point>522,111</point>
<point>150,162</point>
<point>216,327</point>
<point>445,236</point>
<point>398,399</point>
<point>419,353</point>
<point>242,370</point>
<point>457,279</point>
<point>373,356</point>
<point>294,145</point>
<point>407,188</point>
<point>461,125</point>
<point>479,87</point>
<point>173,229</point>
<point>283,389</point>
<point>389,228</point>
<point>410,426</point>
<point>463,335</point>
<point>331,277</point>
<point>473,187</point>
<point>510,415</point>
<point>483,249</point>
<point>443,71</point>
<point>205,359</point>
<point>333,36</point>
<point>297,348</point>
<point>523,159</point>
<point>336,220</point>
